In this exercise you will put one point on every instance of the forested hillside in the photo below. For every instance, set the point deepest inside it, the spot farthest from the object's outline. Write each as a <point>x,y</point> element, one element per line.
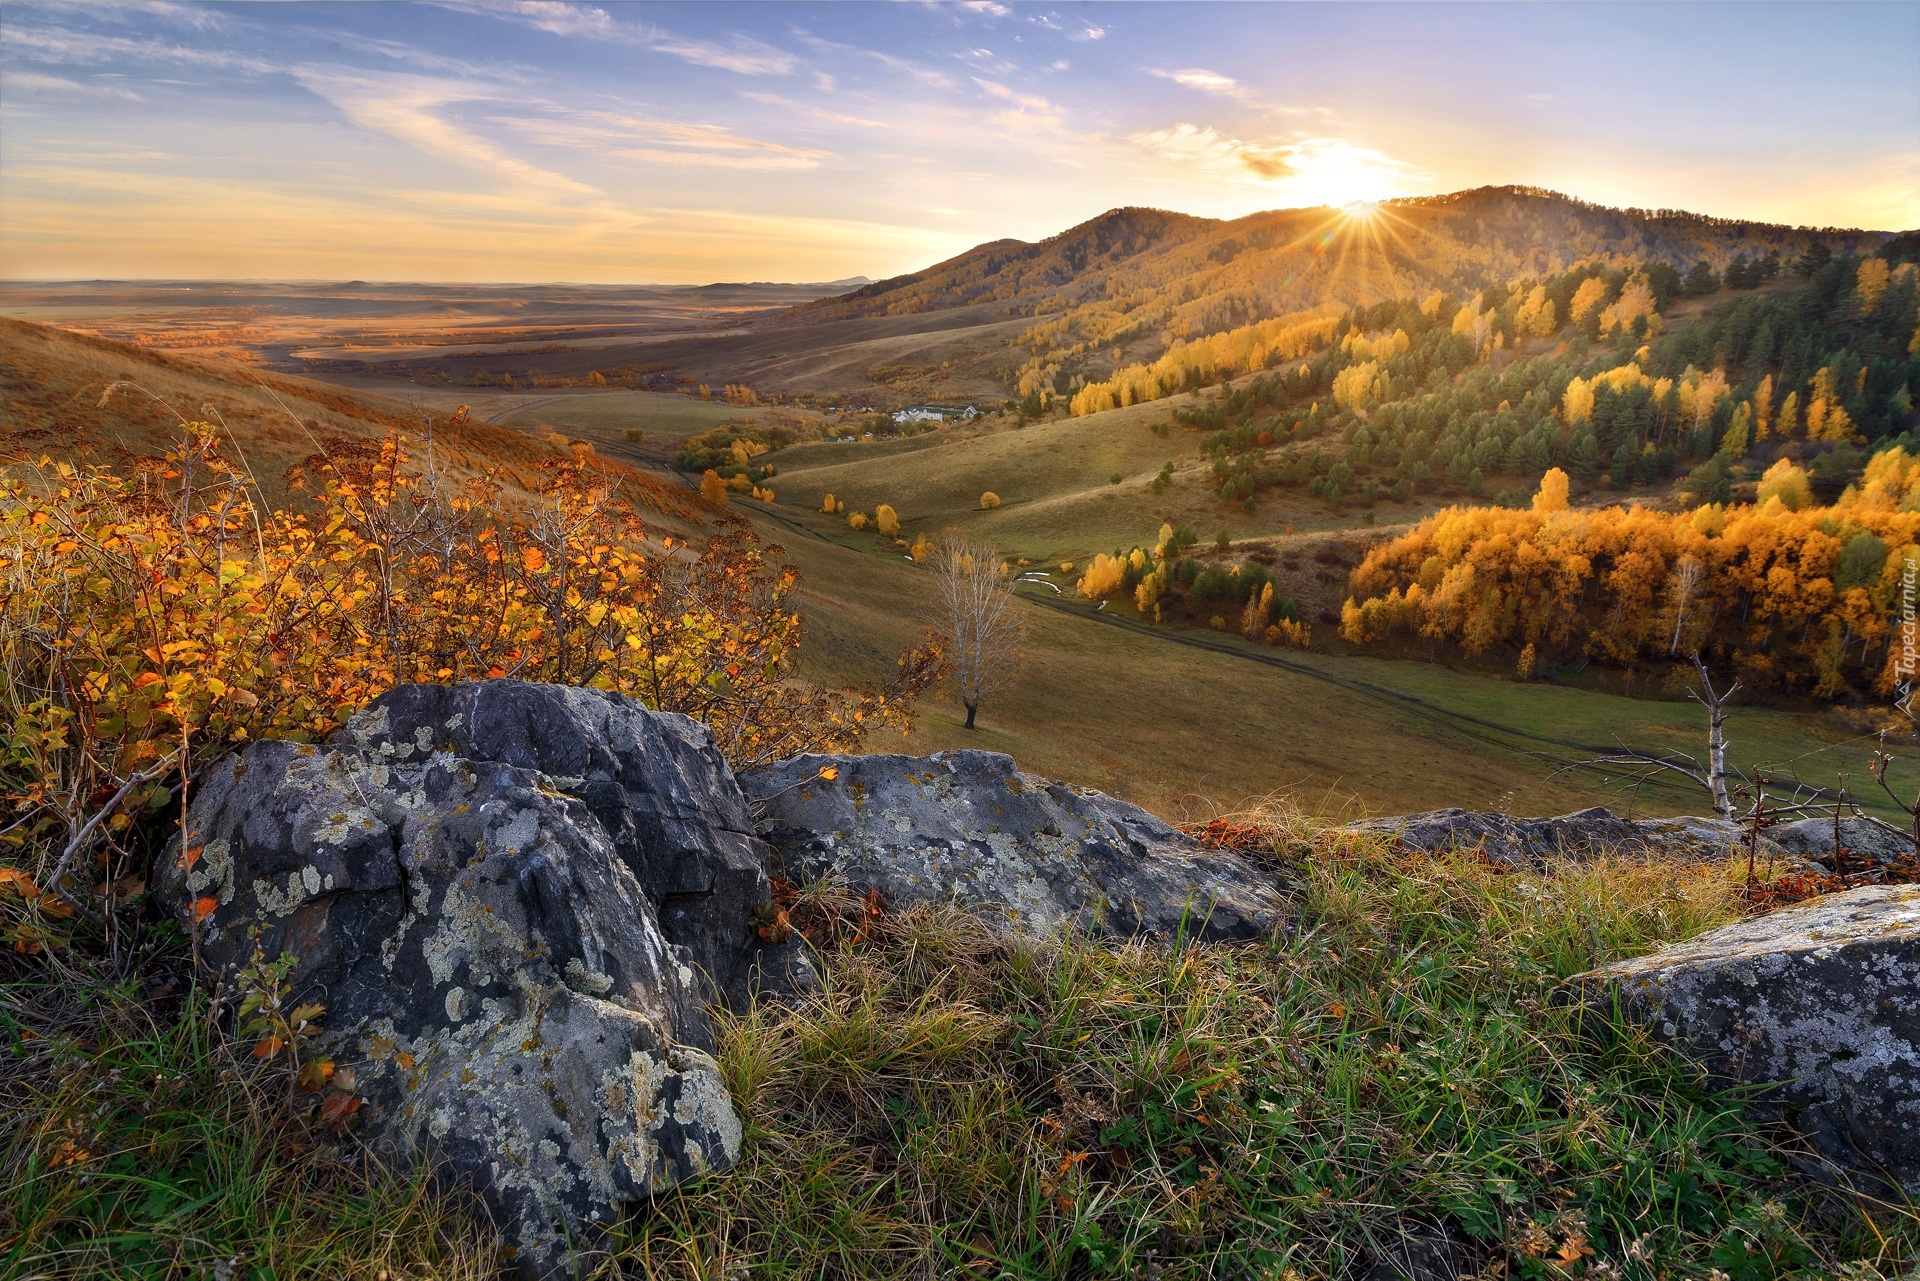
<point>1769,443</point>
<point>1133,283</point>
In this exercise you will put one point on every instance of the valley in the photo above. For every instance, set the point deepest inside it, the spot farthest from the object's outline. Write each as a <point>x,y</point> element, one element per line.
<point>1179,715</point>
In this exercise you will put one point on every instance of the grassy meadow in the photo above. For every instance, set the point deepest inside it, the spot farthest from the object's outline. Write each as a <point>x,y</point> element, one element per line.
<point>664,421</point>
<point>1186,720</point>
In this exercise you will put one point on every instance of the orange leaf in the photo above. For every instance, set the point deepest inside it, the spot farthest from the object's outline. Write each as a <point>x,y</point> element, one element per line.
<point>533,559</point>
<point>203,908</point>
<point>829,773</point>
<point>1338,1009</point>
<point>189,857</point>
<point>22,883</point>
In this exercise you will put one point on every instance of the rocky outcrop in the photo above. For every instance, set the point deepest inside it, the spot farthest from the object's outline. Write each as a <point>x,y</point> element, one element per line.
<point>1530,842</point>
<point>656,783</point>
<point>493,973</point>
<point>1820,1003</point>
<point>515,902</point>
<point>969,829</point>
<point>1866,843</point>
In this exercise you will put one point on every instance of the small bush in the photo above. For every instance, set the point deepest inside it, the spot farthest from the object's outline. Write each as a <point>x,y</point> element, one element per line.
<point>989,500</point>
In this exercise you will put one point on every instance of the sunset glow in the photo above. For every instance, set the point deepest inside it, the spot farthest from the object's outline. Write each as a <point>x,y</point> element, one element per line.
<point>691,143</point>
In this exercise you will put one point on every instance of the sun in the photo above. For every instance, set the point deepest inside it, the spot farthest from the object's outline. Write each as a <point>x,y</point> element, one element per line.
<point>1361,210</point>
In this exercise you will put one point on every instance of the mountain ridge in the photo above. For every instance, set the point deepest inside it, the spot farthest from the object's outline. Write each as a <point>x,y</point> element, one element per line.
<point>1515,229</point>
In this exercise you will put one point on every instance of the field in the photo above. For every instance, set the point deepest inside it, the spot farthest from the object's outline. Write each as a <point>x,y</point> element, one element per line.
<point>1187,722</point>
<point>664,421</point>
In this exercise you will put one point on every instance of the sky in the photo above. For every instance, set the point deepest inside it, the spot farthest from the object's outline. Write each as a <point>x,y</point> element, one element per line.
<point>690,143</point>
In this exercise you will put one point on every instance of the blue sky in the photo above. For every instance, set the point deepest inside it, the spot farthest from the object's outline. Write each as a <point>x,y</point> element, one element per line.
<point>690,143</point>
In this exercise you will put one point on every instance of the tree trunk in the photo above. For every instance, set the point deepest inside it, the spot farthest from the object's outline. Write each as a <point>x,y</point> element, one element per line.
<point>971,709</point>
<point>1716,705</point>
<point>1717,760</point>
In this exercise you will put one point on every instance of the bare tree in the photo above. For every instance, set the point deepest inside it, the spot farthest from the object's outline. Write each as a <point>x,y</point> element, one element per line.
<point>974,612</point>
<point>1711,775</point>
<point>1687,574</point>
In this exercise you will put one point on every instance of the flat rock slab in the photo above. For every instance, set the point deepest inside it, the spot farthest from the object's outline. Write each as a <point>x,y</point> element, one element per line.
<point>969,829</point>
<point>493,975</point>
<point>1530,842</point>
<point>1821,1002</point>
<point>1812,839</point>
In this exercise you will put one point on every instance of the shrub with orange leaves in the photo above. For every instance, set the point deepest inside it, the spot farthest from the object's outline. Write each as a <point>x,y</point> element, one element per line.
<point>150,622</point>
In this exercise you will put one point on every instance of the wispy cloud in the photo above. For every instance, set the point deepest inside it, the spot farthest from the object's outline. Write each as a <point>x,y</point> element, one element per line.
<point>549,16</point>
<point>665,141</point>
<point>836,49</point>
<point>1031,102</point>
<point>742,54</point>
<point>1214,151</point>
<point>62,46</point>
<point>818,113</point>
<point>35,82</point>
<point>988,61</point>
<point>1209,82</point>
<point>1089,32</point>
<point>413,110</point>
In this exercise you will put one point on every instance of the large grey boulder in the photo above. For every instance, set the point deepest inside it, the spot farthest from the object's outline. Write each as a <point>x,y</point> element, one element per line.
<point>1035,856</point>
<point>1812,839</point>
<point>494,977</point>
<point>1819,1002</point>
<point>656,783</point>
<point>1530,842</point>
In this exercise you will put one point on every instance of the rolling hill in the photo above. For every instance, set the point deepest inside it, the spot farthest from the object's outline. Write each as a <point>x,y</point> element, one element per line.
<point>92,400</point>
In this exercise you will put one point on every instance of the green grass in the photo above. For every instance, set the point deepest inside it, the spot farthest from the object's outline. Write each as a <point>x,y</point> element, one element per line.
<point>954,1104</point>
<point>951,1104</point>
<point>1129,708</point>
<point>136,1141</point>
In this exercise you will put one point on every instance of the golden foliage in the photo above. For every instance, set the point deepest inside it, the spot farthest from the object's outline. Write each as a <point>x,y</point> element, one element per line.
<point>1635,301</point>
<point>1235,351</point>
<point>885,523</point>
<point>1870,282</point>
<point>1104,577</point>
<point>150,622</point>
<point>1587,298</point>
<point>989,500</point>
<point>1552,495</point>
<point>1785,484</point>
<point>1785,592</point>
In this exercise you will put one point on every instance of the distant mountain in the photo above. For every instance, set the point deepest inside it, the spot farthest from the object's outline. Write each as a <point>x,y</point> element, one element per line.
<point>1147,270</point>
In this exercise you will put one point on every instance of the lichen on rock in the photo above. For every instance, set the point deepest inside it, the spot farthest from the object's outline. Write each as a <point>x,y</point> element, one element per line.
<point>1818,1004</point>
<point>491,970</point>
<point>1030,855</point>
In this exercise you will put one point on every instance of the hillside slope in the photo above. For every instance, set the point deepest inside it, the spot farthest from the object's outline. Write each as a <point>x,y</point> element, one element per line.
<point>86,399</point>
